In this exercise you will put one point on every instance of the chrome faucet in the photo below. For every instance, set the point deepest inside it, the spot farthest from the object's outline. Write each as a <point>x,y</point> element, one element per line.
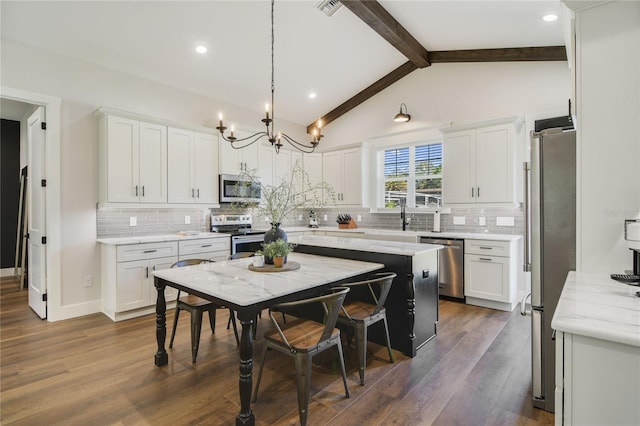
<point>403,213</point>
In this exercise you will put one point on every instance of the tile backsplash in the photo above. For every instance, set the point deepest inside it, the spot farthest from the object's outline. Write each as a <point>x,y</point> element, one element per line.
<point>115,222</point>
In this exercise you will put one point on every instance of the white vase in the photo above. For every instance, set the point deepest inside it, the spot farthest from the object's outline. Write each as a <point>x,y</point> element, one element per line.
<point>258,260</point>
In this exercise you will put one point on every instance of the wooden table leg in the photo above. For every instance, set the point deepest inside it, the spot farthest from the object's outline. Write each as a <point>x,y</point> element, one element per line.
<point>245,385</point>
<point>161,357</point>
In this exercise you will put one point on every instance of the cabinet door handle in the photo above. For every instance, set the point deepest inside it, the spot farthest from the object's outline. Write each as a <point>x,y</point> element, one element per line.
<point>198,193</point>
<point>153,268</point>
<point>193,192</point>
<point>150,251</point>
<point>478,192</point>
<point>146,273</point>
<point>486,259</point>
<point>485,248</point>
<point>206,245</point>
<point>136,190</point>
<point>472,191</point>
<point>143,190</point>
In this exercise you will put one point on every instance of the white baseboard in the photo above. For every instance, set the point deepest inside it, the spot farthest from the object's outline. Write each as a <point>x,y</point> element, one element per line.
<point>8,272</point>
<point>77,310</point>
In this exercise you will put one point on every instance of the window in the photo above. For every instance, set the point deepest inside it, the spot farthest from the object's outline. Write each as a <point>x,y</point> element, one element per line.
<point>415,173</point>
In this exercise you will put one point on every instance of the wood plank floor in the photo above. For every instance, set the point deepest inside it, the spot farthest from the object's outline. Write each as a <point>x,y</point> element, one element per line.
<point>91,371</point>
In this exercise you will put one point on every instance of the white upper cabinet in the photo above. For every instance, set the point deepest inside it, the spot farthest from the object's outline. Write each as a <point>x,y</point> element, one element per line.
<point>153,163</point>
<point>193,172</point>
<point>313,167</point>
<point>481,163</point>
<point>133,161</point>
<point>266,164</point>
<point>205,170</point>
<point>235,161</point>
<point>282,166</point>
<point>343,171</point>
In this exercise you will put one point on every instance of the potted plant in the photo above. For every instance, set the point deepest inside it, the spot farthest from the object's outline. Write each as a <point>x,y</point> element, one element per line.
<point>281,199</point>
<point>277,251</point>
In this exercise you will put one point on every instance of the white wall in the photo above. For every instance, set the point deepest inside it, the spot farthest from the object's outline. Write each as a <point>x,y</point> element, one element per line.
<point>459,93</point>
<point>83,88</point>
<point>608,108</point>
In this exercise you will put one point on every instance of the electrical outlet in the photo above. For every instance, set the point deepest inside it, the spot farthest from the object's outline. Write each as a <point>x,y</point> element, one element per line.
<point>299,217</point>
<point>133,221</point>
<point>325,217</point>
<point>359,218</point>
<point>505,221</point>
<point>482,221</point>
<point>88,280</point>
<point>187,220</point>
<point>459,220</point>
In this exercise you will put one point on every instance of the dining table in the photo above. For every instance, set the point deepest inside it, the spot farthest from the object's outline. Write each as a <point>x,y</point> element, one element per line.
<point>248,290</point>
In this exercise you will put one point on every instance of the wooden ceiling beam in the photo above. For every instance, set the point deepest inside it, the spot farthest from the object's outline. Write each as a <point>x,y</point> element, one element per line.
<point>365,94</point>
<point>375,16</point>
<point>547,53</point>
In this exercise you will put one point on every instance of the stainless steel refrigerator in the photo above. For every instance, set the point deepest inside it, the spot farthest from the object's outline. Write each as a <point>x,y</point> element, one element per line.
<point>550,245</point>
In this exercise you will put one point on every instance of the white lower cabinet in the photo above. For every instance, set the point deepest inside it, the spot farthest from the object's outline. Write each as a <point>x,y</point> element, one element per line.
<point>128,289</point>
<point>127,277</point>
<point>216,249</point>
<point>597,381</point>
<point>134,283</point>
<point>490,273</point>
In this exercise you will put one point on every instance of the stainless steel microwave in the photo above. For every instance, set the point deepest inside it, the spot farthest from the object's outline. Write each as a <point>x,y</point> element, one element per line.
<point>239,189</point>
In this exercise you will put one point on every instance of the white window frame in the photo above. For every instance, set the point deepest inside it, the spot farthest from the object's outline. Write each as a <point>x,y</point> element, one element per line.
<point>373,163</point>
<point>411,178</point>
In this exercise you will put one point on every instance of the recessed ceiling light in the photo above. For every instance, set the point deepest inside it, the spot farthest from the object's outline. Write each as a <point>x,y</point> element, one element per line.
<point>550,18</point>
<point>312,95</point>
<point>201,49</point>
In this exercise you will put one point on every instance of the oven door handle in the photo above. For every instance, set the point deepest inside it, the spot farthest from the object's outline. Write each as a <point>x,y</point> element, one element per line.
<point>247,238</point>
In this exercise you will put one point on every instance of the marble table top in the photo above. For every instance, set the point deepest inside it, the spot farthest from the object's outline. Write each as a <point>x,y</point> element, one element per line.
<point>594,305</point>
<point>233,282</point>
<point>358,244</point>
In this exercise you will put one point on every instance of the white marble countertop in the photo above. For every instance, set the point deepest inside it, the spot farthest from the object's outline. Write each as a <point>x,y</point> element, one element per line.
<point>368,231</point>
<point>161,238</point>
<point>596,306</point>
<point>234,283</point>
<point>417,234</point>
<point>375,246</point>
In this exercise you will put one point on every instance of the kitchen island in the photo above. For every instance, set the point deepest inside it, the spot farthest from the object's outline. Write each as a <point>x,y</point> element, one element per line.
<point>412,304</point>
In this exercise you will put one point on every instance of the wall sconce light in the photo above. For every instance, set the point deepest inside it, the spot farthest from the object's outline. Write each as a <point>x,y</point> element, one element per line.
<point>402,117</point>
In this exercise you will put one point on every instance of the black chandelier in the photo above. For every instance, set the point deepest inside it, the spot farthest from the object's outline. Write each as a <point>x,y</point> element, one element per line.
<point>275,138</point>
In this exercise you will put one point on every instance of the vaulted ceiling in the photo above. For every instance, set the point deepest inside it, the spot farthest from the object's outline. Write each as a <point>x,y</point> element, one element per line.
<point>344,58</point>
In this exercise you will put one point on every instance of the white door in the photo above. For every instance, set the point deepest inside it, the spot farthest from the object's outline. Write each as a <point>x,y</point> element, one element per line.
<point>36,268</point>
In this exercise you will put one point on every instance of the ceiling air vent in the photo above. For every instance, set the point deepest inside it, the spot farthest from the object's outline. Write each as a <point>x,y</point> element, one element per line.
<point>329,7</point>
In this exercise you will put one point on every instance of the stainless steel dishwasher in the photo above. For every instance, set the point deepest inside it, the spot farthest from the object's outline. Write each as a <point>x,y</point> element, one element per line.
<point>450,266</point>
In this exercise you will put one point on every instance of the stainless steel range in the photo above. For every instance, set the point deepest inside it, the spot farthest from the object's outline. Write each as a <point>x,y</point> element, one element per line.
<point>243,238</point>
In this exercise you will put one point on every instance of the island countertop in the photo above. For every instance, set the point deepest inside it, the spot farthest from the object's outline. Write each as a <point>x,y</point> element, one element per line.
<point>372,232</point>
<point>374,246</point>
<point>594,305</point>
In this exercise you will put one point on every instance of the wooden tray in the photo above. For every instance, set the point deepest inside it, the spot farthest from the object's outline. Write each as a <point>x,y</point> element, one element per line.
<point>289,266</point>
